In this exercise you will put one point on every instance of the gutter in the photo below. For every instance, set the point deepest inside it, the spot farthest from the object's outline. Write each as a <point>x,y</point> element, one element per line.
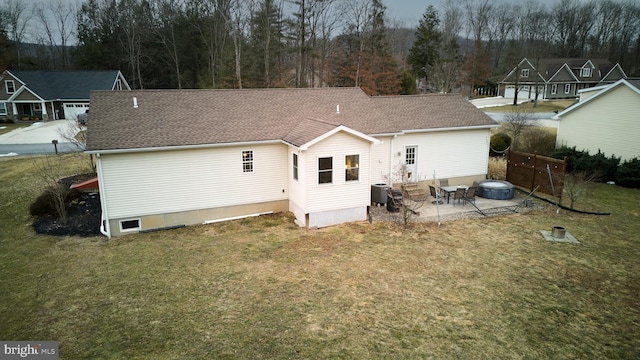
<point>183,147</point>
<point>105,229</point>
<point>459,128</point>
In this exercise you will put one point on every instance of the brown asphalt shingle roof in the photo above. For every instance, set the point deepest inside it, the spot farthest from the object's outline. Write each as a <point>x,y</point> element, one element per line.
<point>166,118</point>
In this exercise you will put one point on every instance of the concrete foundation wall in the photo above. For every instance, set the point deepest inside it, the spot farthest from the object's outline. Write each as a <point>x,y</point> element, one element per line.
<point>192,217</point>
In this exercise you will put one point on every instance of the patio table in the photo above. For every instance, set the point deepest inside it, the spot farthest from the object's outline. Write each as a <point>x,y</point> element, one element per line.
<point>452,189</point>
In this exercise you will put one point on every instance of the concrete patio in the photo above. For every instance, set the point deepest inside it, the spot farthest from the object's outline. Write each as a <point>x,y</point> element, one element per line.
<point>428,211</point>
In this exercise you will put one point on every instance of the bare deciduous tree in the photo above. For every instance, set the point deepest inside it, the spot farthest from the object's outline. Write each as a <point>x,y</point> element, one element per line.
<point>17,18</point>
<point>58,23</point>
<point>516,121</point>
<point>410,203</point>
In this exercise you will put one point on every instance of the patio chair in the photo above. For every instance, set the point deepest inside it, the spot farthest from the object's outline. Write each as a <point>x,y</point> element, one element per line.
<point>459,195</point>
<point>435,195</point>
<point>471,194</point>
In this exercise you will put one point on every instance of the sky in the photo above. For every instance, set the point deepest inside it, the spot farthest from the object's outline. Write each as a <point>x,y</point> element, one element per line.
<point>411,11</point>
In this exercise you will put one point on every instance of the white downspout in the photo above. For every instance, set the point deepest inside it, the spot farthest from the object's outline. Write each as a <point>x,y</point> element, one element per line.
<point>391,160</point>
<point>105,229</point>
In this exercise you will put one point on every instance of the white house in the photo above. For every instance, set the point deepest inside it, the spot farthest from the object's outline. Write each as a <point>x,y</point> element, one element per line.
<point>179,157</point>
<point>605,119</point>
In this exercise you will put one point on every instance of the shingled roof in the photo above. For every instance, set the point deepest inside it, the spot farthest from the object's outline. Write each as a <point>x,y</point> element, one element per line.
<point>66,85</point>
<point>166,118</point>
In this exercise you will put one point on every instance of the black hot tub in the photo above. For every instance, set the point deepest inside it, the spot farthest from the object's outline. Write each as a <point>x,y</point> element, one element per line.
<point>495,189</point>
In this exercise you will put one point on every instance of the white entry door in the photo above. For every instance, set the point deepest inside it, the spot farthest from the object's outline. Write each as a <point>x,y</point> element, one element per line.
<point>411,162</point>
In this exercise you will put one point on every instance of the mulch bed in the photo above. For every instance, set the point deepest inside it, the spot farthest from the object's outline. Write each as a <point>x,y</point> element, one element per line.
<point>83,218</point>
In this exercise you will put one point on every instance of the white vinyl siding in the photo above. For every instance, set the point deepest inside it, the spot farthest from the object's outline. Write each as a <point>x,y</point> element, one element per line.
<point>448,153</point>
<point>340,194</point>
<point>380,160</point>
<point>609,123</point>
<point>162,182</point>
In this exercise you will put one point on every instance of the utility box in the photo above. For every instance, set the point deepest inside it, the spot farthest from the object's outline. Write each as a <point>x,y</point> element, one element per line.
<point>379,193</point>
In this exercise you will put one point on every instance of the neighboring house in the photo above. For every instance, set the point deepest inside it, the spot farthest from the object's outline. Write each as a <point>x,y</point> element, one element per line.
<point>606,118</point>
<point>178,157</point>
<point>52,95</point>
<point>558,78</point>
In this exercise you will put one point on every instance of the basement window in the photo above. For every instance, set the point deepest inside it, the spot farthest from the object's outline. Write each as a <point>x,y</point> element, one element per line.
<point>130,225</point>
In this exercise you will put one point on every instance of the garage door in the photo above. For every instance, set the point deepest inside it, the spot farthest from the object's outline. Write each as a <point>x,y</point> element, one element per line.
<point>509,92</point>
<point>71,110</point>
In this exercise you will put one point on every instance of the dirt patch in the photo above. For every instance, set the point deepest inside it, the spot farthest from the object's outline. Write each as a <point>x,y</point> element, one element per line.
<point>83,217</point>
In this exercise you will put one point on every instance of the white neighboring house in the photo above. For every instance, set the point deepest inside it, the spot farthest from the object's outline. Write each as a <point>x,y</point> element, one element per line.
<point>178,157</point>
<point>606,118</point>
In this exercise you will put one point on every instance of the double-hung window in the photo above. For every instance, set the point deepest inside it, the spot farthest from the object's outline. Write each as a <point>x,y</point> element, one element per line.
<point>352,165</point>
<point>325,170</point>
<point>295,166</point>
<point>585,72</point>
<point>10,86</point>
<point>554,88</point>
<point>3,108</point>
<point>247,161</point>
<point>567,88</point>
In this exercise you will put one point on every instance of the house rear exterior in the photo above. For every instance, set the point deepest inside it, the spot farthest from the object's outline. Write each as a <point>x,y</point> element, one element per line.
<point>179,157</point>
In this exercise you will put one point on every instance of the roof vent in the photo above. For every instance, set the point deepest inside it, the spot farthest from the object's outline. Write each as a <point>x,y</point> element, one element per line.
<point>135,102</point>
<point>337,109</point>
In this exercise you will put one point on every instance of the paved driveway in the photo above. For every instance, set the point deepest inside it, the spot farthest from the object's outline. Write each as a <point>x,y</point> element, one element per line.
<point>36,139</point>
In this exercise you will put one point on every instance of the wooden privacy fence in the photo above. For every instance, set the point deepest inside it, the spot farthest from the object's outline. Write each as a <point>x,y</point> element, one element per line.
<point>530,171</point>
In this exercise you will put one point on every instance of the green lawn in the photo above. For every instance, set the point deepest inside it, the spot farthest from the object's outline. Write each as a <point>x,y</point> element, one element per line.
<point>262,288</point>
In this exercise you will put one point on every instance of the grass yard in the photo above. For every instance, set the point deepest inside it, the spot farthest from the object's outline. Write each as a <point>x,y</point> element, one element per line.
<point>5,128</point>
<point>262,288</point>
<point>543,106</point>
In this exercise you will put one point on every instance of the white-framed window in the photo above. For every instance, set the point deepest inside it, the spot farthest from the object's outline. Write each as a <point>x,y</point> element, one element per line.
<point>554,88</point>
<point>247,161</point>
<point>586,72</point>
<point>410,155</point>
<point>130,225</point>
<point>118,84</point>
<point>524,73</point>
<point>37,107</point>
<point>325,170</point>
<point>567,88</point>
<point>352,167</point>
<point>295,166</point>
<point>10,86</point>
<point>3,108</point>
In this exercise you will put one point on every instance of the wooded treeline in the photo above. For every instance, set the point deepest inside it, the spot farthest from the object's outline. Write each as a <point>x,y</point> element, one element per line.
<point>311,43</point>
